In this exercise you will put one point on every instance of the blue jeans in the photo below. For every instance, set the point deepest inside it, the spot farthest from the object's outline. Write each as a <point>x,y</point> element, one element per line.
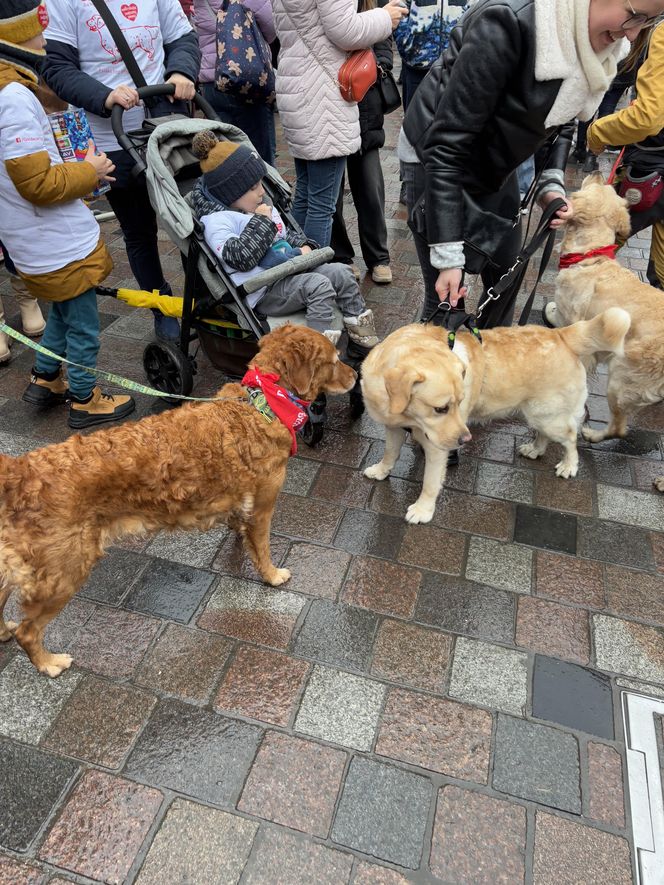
<point>255,120</point>
<point>316,193</point>
<point>525,174</point>
<point>72,331</point>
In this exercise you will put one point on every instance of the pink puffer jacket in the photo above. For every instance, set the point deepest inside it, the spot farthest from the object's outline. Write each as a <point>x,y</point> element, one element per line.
<point>317,122</point>
<point>206,27</point>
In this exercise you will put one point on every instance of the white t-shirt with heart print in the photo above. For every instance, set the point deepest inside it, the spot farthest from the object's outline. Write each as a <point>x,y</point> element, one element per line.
<point>146,24</point>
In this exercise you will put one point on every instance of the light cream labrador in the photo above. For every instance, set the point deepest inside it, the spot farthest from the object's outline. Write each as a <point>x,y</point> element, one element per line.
<point>584,290</point>
<point>413,380</point>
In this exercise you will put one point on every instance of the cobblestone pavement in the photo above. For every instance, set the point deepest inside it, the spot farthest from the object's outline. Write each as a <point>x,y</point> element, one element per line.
<point>419,703</point>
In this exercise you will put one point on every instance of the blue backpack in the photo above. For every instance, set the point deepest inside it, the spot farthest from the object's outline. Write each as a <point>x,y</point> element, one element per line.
<point>244,60</point>
<point>424,34</point>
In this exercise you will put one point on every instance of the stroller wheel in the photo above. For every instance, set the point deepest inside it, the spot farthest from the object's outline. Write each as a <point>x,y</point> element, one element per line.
<point>356,401</point>
<point>312,434</point>
<point>168,369</point>
<point>313,430</point>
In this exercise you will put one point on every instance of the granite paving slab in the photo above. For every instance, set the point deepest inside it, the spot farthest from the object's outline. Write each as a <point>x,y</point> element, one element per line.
<point>573,696</point>
<point>461,606</point>
<point>337,634</point>
<point>505,566</point>
<point>628,648</point>
<point>489,675</point>
<point>169,590</point>
<point>29,702</point>
<point>112,577</point>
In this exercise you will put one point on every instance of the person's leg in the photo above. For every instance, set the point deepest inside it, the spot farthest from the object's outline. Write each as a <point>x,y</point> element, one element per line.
<point>501,312</point>
<point>311,292</point>
<point>323,183</point>
<point>47,385</point>
<point>358,319</point>
<point>365,176</point>
<point>414,181</point>
<point>339,240</point>
<point>301,196</point>
<point>412,77</point>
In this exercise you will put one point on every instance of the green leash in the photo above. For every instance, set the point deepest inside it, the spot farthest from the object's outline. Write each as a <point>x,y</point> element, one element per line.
<point>118,380</point>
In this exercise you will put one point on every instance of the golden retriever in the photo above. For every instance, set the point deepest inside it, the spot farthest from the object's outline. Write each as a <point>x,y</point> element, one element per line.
<point>221,461</point>
<point>636,376</point>
<point>413,380</point>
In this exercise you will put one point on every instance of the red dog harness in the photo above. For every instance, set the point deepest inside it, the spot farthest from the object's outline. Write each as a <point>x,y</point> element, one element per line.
<point>571,258</point>
<point>272,401</point>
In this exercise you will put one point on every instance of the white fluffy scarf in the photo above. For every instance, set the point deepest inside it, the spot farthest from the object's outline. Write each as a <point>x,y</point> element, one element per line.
<point>563,51</point>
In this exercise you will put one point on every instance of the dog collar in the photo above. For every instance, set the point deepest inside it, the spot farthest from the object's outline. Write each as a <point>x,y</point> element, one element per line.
<point>570,258</point>
<point>274,401</point>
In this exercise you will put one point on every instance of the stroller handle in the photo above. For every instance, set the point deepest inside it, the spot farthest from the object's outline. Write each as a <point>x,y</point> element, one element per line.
<point>147,92</point>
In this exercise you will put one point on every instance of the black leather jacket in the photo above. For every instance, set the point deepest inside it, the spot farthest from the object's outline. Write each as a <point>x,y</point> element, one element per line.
<point>480,112</point>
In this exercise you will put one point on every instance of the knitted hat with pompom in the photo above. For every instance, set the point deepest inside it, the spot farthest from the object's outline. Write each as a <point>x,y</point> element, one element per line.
<point>229,169</point>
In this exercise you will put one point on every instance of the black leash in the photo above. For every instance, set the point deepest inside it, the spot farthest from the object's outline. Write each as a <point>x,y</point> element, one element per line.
<point>452,319</point>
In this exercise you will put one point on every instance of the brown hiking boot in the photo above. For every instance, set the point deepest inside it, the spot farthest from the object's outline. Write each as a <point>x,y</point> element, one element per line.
<point>100,408</point>
<point>46,391</point>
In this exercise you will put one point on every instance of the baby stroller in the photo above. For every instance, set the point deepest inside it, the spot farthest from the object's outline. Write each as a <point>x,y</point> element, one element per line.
<point>213,309</point>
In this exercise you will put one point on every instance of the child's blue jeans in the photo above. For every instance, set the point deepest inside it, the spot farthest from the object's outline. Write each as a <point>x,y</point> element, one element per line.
<point>72,331</point>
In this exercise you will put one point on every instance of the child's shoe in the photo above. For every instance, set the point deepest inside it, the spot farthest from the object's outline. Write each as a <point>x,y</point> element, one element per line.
<point>32,318</point>
<point>361,329</point>
<point>166,328</point>
<point>98,409</point>
<point>46,389</point>
<point>333,334</point>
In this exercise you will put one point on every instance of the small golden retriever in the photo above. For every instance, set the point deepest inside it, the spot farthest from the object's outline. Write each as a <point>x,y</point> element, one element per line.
<point>413,380</point>
<point>186,469</point>
<point>584,290</point>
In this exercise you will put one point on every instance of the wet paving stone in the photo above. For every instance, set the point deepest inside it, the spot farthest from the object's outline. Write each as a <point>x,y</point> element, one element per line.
<point>252,612</point>
<point>102,827</point>
<point>612,542</point>
<point>606,802</point>
<point>337,634</point>
<point>537,527</point>
<point>564,848</point>
<point>29,701</point>
<point>31,785</point>
<point>426,546</point>
<point>340,708</point>
<point>504,566</point>
<point>195,549</point>
<point>282,858</point>
<point>100,722</point>
<point>489,675</point>
<point>410,465</point>
<point>342,486</point>
<point>316,571</point>
<point>184,662</point>
<point>570,580</point>
<point>572,696</point>
<point>637,443</point>
<point>294,782</point>
<point>383,812</point>
<point>635,595</point>
<point>306,518</point>
<point>370,533</point>
<point>196,844</point>
<point>411,655</point>
<point>195,752</point>
<point>553,629</point>
<point>491,446</point>
<point>337,448</point>
<point>461,606</point>
<point>466,825</point>
<point>657,541</point>
<point>504,482</point>
<point>112,577</point>
<point>300,476</point>
<point>112,643</point>
<point>372,874</point>
<point>13,872</point>
<point>169,590</point>
<point>262,685</point>
<point>475,515</point>
<point>383,587</point>
<point>537,762</point>
<point>394,496</point>
<point>233,559</point>
<point>570,495</point>
<point>436,734</point>
<point>631,507</point>
<point>629,649</point>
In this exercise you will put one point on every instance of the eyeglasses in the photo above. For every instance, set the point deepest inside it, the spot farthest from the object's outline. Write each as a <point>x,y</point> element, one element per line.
<point>638,19</point>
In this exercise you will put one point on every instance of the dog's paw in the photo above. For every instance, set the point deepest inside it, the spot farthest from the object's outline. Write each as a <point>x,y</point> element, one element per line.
<point>659,483</point>
<point>591,435</point>
<point>7,632</point>
<point>280,576</point>
<point>54,665</point>
<point>420,512</point>
<point>377,471</point>
<point>566,470</point>
<point>529,450</point>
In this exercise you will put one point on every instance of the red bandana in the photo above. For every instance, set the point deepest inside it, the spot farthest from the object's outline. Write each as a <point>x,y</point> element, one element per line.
<point>289,409</point>
<point>571,258</point>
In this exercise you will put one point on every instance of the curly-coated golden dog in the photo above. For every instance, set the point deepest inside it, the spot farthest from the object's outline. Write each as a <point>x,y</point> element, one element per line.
<point>584,290</point>
<point>187,469</point>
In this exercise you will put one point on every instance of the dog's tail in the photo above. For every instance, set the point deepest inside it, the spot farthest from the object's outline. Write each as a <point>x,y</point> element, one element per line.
<point>604,333</point>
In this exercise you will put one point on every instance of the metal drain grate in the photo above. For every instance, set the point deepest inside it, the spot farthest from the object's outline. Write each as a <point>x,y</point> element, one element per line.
<point>645,785</point>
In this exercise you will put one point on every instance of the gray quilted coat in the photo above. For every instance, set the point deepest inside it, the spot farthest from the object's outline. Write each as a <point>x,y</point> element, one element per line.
<point>316,36</point>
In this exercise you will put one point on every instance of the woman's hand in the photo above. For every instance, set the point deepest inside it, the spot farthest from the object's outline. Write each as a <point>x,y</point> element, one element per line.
<point>123,95</point>
<point>100,163</point>
<point>184,88</point>
<point>305,250</point>
<point>562,215</point>
<point>448,283</point>
<point>397,10</point>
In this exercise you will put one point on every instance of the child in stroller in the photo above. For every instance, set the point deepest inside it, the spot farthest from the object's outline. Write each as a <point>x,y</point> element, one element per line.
<point>248,236</point>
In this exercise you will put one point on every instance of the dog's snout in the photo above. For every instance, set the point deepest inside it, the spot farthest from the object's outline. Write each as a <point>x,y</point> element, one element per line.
<point>465,437</point>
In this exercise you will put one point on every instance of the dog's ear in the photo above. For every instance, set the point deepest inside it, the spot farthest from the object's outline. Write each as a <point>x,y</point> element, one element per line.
<point>620,219</point>
<point>585,207</point>
<point>595,177</point>
<point>399,386</point>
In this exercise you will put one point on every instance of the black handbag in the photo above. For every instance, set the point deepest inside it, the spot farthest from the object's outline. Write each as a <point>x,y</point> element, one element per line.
<point>390,97</point>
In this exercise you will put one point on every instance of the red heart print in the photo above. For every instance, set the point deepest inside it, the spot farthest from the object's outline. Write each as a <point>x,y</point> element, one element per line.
<point>130,11</point>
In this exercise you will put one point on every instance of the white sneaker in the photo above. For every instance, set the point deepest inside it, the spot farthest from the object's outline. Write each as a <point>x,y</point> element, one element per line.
<point>361,329</point>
